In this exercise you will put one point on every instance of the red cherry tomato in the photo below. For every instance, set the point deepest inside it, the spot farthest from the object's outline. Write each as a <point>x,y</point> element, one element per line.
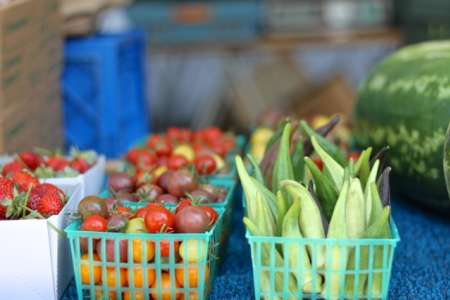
<point>212,214</point>
<point>212,133</point>
<point>165,248</point>
<point>177,162</point>
<point>141,212</point>
<point>205,165</point>
<point>153,140</point>
<point>163,148</point>
<point>173,134</point>
<point>218,147</point>
<point>184,202</point>
<point>159,219</point>
<point>354,156</point>
<point>319,164</point>
<point>185,135</point>
<point>229,143</point>
<point>94,223</point>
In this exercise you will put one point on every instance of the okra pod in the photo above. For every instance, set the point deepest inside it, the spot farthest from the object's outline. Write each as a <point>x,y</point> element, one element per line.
<point>256,170</point>
<point>298,162</point>
<point>282,169</point>
<point>367,192</point>
<point>310,219</point>
<point>329,147</point>
<point>296,254</point>
<point>335,170</point>
<point>355,210</point>
<point>337,255</point>
<point>325,188</point>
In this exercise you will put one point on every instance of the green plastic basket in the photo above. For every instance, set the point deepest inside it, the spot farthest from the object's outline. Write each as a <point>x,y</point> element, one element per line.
<point>226,206</point>
<point>367,277</point>
<point>111,278</point>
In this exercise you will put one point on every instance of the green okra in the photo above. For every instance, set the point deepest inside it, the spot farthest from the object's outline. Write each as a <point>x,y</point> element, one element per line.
<point>256,169</point>
<point>265,219</point>
<point>248,187</point>
<point>325,188</point>
<point>268,196</point>
<point>298,162</point>
<point>296,254</point>
<point>282,208</point>
<point>282,169</point>
<point>266,250</point>
<point>328,146</point>
<point>355,285</point>
<point>355,210</point>
<point>335,170</point>
<point>310,219</point>
<point>336,255</point>
<point>367,191</point>
<point>363,162</point>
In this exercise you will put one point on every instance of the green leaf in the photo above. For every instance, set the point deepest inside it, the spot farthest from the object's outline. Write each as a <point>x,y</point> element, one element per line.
<point>282,169</point>
<point>329,147</point>
<point>335,170</point>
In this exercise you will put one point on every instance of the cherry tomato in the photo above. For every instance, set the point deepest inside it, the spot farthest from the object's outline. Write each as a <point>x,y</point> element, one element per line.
<point>173,134</point>
<point>159,219</point>
<point>177,161</point>
<point>166,285</point>
<point>212,214</point>
<point>229,143</point>
<point>218,147</point>
<point>354,156</point>
<point>141,212</point>
<point>146,160</point>
<point>319,164</point>
<point>165,248</point>
<point>185,135</point>
<point>153,140</point>
<point>163,148</point>
<point>184,202</point>
<point>205,165</point>
<point>212,133</point>
<point>124,211</point>
<point>143,177</point>
<point>94,223</point>
<point>163,161</point>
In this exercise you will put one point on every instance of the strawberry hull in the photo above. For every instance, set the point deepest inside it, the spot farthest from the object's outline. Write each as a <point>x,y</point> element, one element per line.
<point>37,262</point>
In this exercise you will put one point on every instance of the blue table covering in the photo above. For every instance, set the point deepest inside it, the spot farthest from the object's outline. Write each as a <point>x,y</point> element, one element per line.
<point>421,267</point>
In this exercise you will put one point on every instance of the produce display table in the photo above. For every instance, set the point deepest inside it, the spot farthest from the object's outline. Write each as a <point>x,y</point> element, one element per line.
<point>421,266</point>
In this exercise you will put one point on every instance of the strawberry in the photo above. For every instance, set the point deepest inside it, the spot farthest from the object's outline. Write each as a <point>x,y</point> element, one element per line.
<point>50,204</point>
<point>6,193</point>
<point>31,160</point>
<point>39,191</point>
<point>24,180</point>
<point>12,167</point>
<point>57,163</point>
<point>79,165</point>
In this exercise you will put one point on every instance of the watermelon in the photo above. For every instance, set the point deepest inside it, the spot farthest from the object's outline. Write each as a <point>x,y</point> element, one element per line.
<point>405,103</point>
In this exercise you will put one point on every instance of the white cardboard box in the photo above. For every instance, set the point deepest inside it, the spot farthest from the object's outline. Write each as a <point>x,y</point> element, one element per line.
<point>36,260</point>
<point>91,182</point>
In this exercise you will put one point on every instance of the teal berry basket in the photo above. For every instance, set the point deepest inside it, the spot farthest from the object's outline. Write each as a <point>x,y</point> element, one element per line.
<point>147,266</point>
<point>291,268</point>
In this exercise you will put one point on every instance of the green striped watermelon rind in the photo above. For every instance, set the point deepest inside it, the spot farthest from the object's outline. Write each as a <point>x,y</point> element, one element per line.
<point>447,160</point>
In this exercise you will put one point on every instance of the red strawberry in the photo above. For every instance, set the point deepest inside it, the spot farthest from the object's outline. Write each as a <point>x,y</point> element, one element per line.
<point>6,193</point>
<point>57,163</point>
<point>39,191</point>
<point>12,167</point>
<point>24,180</point>
<point>80,165</point>
<point>50,204</point>
<point>31,160</point>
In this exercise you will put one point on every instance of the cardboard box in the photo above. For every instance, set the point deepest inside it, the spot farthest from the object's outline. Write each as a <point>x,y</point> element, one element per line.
<point>16,24</point>
<point>31,49</point>
<point>38,264</point>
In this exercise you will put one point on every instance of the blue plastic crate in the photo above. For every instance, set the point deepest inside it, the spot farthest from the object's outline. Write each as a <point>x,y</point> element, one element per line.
<point>105,107</point>
<point>198,21</point>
